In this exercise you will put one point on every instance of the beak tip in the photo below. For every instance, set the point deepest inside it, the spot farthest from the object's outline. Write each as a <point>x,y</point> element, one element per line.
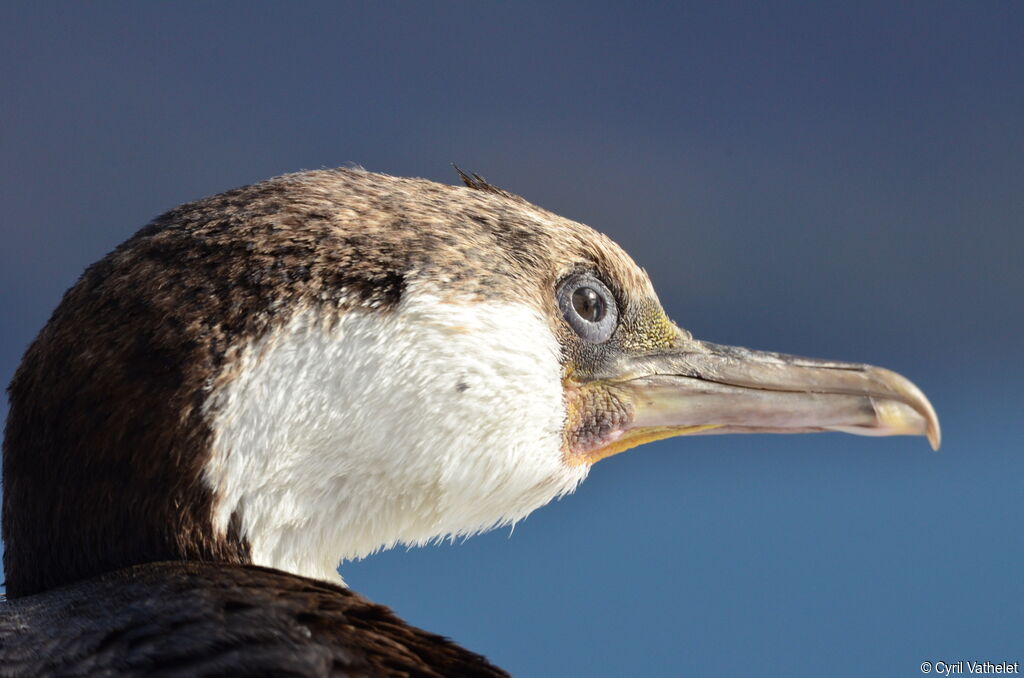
<point>933,430</point>
<point>912,396</point>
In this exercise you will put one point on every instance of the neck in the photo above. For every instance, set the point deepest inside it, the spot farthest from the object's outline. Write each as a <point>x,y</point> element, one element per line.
<point>328,438</point>
<point>103,456</point>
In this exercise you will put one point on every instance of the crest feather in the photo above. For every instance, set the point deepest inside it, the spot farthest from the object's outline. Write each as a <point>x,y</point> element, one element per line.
<point>478,183</point>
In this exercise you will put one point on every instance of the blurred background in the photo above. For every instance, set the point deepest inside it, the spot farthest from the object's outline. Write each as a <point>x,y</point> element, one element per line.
<point>843,181</point>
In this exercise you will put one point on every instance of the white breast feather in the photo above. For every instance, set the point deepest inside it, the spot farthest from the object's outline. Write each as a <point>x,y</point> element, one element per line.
<point>336,439</point>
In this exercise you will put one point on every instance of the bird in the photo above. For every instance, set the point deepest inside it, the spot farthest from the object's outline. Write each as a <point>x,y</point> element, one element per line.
<point>262,384</point>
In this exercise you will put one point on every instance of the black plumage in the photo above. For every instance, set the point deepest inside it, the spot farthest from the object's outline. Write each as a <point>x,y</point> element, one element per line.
<point>215,619</point>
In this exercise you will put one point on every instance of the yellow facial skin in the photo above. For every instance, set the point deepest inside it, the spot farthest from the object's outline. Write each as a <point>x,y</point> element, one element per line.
<point>599,418</point>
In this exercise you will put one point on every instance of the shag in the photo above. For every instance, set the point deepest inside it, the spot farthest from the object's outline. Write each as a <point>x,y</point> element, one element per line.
<point>264,383</point>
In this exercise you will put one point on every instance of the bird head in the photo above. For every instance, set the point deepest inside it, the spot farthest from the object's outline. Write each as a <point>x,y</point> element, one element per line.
<point>329,363</point>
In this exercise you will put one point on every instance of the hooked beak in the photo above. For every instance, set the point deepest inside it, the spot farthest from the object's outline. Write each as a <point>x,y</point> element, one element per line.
<point>707,388</point>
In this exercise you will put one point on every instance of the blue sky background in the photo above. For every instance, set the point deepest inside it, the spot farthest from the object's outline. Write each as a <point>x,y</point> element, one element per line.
<point>836,180</point>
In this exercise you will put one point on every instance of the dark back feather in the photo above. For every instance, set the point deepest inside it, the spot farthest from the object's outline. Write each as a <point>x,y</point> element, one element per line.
<point>203,619</point>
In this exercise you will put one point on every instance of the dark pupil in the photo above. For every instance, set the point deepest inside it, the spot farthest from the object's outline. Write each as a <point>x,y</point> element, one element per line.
<point>588,304</point>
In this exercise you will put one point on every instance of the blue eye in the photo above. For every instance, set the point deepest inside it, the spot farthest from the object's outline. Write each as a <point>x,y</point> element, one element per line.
<point>588,306</point>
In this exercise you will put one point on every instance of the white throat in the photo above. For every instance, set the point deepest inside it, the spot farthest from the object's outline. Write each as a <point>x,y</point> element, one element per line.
<point>343,433</point>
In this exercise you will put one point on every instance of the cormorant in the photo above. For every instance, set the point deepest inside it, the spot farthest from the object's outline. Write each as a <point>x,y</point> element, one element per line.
<point>261,384</point>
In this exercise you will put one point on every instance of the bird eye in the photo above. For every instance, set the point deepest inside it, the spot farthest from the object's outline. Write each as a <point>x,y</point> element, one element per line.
<point>588,306</point>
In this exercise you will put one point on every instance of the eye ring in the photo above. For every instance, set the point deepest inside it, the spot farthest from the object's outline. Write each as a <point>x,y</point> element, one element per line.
<point>588,306</point>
